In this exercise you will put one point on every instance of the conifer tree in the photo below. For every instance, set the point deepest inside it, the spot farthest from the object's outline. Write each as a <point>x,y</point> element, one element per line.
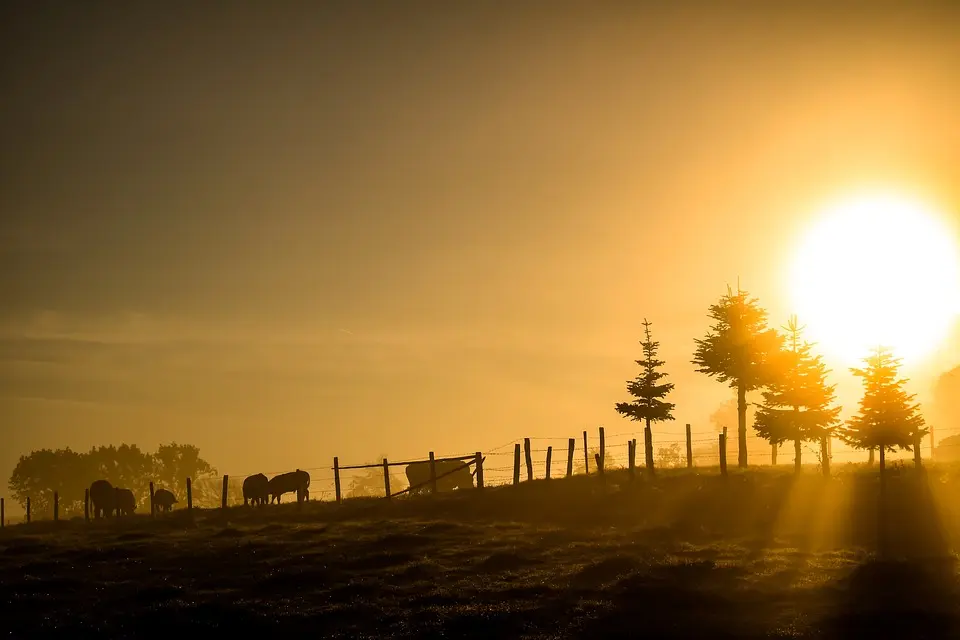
<point>798,404</point>
<point>736,350</point>
<point>649,392</point>
<point>888,418</point>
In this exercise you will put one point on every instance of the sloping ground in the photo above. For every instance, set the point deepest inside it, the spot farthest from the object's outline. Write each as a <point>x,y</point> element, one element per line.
<point>689,557</point>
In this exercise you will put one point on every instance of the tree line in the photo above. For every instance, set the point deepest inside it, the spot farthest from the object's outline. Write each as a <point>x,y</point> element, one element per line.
<point>798,404</point>
<point>68,473</point>
<point>739,349</point>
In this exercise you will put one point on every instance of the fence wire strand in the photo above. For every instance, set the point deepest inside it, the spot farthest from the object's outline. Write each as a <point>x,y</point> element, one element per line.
<point>671,453</point>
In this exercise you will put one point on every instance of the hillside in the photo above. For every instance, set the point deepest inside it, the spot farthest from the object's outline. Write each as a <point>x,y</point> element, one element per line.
<point>758,554</point>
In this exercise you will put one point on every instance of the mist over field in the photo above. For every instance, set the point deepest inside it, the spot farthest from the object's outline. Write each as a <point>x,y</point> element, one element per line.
<point>541,320</point>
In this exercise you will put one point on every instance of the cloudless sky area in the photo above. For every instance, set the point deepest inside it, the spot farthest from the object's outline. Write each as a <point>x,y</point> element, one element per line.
<point>284,231</point>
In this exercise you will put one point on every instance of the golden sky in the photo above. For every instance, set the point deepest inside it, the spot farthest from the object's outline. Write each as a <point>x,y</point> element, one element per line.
<point>284,234</point>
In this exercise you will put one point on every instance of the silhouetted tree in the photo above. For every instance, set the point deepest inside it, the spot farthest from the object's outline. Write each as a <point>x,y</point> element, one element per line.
<point>649,392</point>
<point>46,471</point>
<point>798,404</point>
<point>888,417</point>
<point>173,463</point>
<point>735,350</point>
<point>69,473</point>
<point>124,466</point>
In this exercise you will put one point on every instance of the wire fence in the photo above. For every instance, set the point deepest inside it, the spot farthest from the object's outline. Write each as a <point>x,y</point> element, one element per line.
<point>499,467</point>
<point>507,463</point>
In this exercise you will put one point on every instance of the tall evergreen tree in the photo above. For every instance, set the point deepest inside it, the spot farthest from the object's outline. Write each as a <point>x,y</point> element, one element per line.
<point>649,392</point>
<point>798,404</point>
<point>888,418</point>
<point>736,350</point>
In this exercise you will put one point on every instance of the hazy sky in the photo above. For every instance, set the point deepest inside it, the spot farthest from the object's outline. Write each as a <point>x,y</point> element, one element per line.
<point>284,231</point>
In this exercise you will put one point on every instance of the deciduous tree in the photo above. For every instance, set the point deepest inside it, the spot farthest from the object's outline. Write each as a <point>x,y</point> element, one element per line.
<point>124,466</point>
<point>41,473</point>
<point>173,463</point>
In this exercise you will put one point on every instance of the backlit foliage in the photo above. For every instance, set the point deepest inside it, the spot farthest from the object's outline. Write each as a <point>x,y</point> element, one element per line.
<point>798,404</point>
<point>736,351</point>
<point>888,417</point>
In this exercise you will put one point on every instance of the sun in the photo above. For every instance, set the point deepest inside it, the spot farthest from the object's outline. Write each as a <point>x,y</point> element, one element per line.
<point>877,269</point>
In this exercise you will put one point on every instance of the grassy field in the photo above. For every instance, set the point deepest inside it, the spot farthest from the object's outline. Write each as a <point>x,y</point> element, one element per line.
<point>759,554</point>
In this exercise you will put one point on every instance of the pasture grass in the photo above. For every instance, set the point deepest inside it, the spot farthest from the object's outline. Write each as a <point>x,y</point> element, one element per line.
<point>758,554</point>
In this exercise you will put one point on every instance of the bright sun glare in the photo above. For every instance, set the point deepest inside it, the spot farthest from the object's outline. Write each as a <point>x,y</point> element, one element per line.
<point>877,269</point>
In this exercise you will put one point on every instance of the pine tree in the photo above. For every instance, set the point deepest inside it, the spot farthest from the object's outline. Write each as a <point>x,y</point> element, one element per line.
<point>736,350</point>
<point>649,392</point>
<point>888,418</point>
<point>798,403</point>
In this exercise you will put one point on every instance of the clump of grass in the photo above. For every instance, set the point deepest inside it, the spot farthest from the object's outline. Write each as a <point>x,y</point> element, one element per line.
<point>677,556</point>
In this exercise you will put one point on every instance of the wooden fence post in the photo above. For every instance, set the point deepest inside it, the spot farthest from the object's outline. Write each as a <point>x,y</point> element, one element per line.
<point>603,450</point>
<point>571,445</point>
<point>189,496</point>
<point>516,464</point>
<point>433,473</point>
<point>631,455</point>
<point>153,509</point>
<point>3,514</point>
<point>336,478</point>
<point>689,448</point>
<point>599,461</point>
<point>723,452</point>
<point>478,463</point>
<point>386,476</point>
<point>223,494</point>
<point>86,505</point>
<point>28,510</point>
<point>528,458</point>
<point>56,506</point>
<point>773,454</point>
<point>586,455</point>
<point>549,460</point>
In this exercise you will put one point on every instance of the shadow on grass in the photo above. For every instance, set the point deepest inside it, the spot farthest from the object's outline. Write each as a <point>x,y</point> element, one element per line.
<point>911,589</point>
<point>889,599</point>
